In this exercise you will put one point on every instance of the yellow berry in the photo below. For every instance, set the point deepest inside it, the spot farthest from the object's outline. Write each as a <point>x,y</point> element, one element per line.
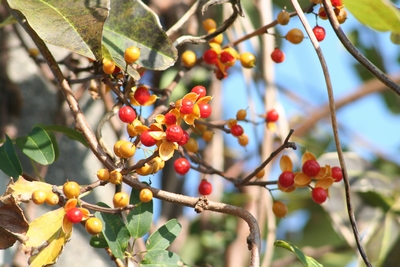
<point>120,199</point>
<point>260,174</point>
<point>188,59</point>
<point>243,140</point>
<point>71,189</point>
<point>248,60</point>
<point>115,177</point>
<point>209,24</point>
<point>208,135</point>
<point>103,175</point>
<point>127,150</point>
<point>283,17</point>
<point>192,145</point>
<point>131,54</point>
<point>117,145</point>
<point>52,199</point>
<point>145,195</point>
<point>108,66</point>
<point>217,39</point>
<point>231,122</point>
<point>295,36</point>
<point>94,226</point>
<point>33,52</point>
<point>146,169</point>
<point>279,208</point>
<point>241,114</point>
<point>39,197</point>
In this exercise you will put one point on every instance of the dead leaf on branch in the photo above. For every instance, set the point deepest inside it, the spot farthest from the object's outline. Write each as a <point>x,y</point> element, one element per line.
<point>13,224</point>
<point>22,189</point>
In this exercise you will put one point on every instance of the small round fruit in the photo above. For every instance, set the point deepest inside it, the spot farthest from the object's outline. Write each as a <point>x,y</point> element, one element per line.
<point>295,36</point>
<point>279,209</point>
<point>188,58</point>
<point>319,195</point>
<point>173,133</point>
<point>241,114</point>
<point>311,167</point>
<point>94,226</point>
<point>147,139</point>
<point>141,95</point>
<point>341,15</point>
<point>115,177</point>
<point>277,55</point>
<point>127,150</point>
<point>243,140</point>
<point>33,52</point>
<point>272,115</point>
<point>231,123</point>
<point>322,13</point>
<point>52,199</point>
<point>120,199</point>
<point>103,175</point>
<point>286,179</point>
<point>184,139</point>
<point>260,174</point>
<point>319,33</point>
<point>201,91</point>
<point>170,118</point>
<point>182,166</point>
<point>210,56</point>
<point>39,196</point>
<point>192,145</point>
<point>217,39</point>
<point>207,135</point>
<point>209,24</point>
<point>336,3</point>
<point>248,60</point>
<point>145,170</point>
<point>74,215</point>
<point>145,195</point>
<point>127,114</point>
<point>337,174</point>
<point>205,110</point>
<point>237,130</point>
<point>186,106</point>
<point>283,17</point>
<point>116,147</point>
<point>205,187</point>
<point>71,189</point>
<point>108,66</point>
<point>131,54</point>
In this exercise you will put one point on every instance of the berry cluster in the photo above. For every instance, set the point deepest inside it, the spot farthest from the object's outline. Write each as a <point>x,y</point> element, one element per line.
<point>311,172</point>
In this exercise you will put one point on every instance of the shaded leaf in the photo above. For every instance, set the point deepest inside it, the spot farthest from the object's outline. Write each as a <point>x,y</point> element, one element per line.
<point>13,225</point>
<point>132,23</point>
<point>380,15</point>
<point>22,189</point>
<point>38,146</point>
<point>68,132</point>
<point>164,236</point>
<point>46,239</point>
<point>98,241</point>
<point>9,162</point>
<point>8,21</point>
<point>114,231</point>
<point>161,258</point>
<point>305,260</point>
<point>75,26</point>
<point>139,219</point>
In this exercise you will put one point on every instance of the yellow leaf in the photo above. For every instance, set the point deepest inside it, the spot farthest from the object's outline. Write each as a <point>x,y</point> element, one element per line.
<point>324,183</point>
<point>307,156</point>
<point>285,163</point>
<point>166,150</point>
<point>300,179</point>
<point>22,189</point>
<point>46,238</point>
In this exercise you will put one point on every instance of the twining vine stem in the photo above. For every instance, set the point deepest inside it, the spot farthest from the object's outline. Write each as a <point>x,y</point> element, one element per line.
<point>324,66</point>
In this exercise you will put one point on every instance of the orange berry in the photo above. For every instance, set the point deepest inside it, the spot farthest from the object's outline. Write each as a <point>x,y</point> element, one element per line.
<point>188,58</point>
<point>108,66</point>
<point>115,177</point>
<point>283,17</point>
<point>145,195</point>
<point>39,197</point>
<point>94,226</point>
<point>209,24</point>
<point>131,54</point>
<point>295,36</point>
<point>208,135</point>
<point>120,199</point>
<point>279,208</point>
<point>52,199</point>
<point>71,189</point>
<point>248,60</point>
<point>103,174</point>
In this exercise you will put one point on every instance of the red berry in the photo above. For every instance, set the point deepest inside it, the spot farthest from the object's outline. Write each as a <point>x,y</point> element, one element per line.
<point>237,130</point>
<point>286,179</point>
<point>311,168</point>
<point>117,70</point>
<point>200,90</point>
<point>272,115</point>
<point>174,133</point>
<point>205,110</point>
<point>210,56</point>
<point>74,215</point>
<point>127,114</point>
<point>142,95</point>
<point>184,139</point>
<point>337,174</point>
<point>336,3</point>
<point>181,166</point>
<point>226,57</point>
<point>319,33</point>
<point>147,139</point>
<point>186,106</point>
<point>319,195</point>
<point>277,55</point>
<point>170,118</point>
<point>205,187</point>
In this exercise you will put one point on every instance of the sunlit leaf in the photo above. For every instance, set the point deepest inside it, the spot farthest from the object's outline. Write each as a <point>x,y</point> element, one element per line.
<point>9,162</point>
<point>75,26</point>
<point>380,15</point>
<point>38,146</point>
<point>22,189</point>
<point>139,219</point>
<point>132,23</point>
<point>161,258</point>
<point>46,239</point>
<point>305,260</point>
<point>164,236</point>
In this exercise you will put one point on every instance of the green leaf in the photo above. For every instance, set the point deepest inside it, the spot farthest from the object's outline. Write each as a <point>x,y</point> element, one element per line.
<point>38,146</point>
<point>9,162</point>
<point>98,241</point>
<point>380,15</point>
<point>76,25</point>
<point>306,260</point>
<point>164,236</point>
<point>120,62</point>
<point>68,132</point>
<point>132,23</point>
<point>55,145</point>
<point>8,21</point>
<point>114,231</point>
<point>161,258</point>
<point>139,219</point>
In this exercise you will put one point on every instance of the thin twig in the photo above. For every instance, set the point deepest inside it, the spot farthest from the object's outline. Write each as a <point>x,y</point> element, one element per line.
<point>192,10</point>
<point>324,66</point>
